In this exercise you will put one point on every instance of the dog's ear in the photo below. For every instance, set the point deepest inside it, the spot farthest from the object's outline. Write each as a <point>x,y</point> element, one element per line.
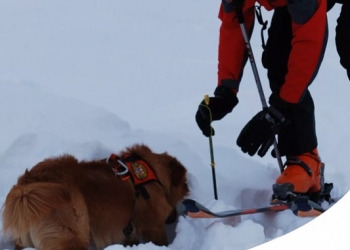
<point>178,172</point>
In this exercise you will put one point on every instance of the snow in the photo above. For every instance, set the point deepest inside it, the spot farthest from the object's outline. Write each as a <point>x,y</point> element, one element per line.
<point>89,78</point>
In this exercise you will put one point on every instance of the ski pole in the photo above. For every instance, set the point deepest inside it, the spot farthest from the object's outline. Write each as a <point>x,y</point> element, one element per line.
<point>240,18</point>
<point>212,163</point>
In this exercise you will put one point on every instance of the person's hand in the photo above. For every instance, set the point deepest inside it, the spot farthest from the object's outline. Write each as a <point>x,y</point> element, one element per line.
<point>215,108</point>
<point>259,133</point>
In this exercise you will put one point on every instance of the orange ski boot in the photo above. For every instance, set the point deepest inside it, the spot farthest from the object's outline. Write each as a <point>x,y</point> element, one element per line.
<point>303,174</point>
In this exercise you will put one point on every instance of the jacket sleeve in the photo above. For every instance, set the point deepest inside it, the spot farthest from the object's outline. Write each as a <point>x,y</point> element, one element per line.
<point>232,50</point>
<point>310,33</point>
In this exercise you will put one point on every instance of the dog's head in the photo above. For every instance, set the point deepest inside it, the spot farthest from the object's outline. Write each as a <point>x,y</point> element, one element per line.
<point>170,172</point>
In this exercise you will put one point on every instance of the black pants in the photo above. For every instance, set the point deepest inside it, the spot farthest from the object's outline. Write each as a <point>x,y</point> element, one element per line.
<point>342,37</point>
<point>300,136</point>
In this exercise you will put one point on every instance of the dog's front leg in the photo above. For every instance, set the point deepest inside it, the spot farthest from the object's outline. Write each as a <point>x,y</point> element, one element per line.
<point>17,247</point>
<point>157,235</point>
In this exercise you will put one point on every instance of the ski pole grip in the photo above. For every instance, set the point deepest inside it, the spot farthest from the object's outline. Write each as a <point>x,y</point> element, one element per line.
<point>206,99</point>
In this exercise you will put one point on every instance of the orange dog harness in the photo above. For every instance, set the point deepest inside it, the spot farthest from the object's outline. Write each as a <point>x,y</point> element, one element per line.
<point>129,166</point>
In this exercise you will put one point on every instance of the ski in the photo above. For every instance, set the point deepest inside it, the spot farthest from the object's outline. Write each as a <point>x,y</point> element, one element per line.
<point>195,210</point>
<point>300,206</point>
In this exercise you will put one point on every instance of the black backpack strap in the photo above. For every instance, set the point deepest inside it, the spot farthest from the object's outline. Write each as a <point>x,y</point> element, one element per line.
<point>262,22</point>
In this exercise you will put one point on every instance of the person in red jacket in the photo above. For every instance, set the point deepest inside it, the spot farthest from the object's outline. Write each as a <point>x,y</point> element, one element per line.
<point>342,37</point>
<point>294,51</point>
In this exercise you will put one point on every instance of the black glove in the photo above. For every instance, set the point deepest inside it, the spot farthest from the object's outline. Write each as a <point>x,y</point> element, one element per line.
<point>219,106</point>
<point>259,133</point>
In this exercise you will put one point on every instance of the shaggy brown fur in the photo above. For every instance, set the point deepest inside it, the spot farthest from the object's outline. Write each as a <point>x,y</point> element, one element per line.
<point>64,204</point>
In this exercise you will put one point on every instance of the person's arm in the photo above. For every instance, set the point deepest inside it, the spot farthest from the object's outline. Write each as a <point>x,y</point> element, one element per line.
<point>232,51</point>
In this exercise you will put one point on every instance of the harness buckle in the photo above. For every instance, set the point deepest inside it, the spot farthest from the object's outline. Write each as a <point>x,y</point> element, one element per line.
<point>123,166</point>
<point>121,169</point>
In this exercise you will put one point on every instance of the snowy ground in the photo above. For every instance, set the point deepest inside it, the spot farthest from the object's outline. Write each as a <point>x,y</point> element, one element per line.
<point>90,78</point>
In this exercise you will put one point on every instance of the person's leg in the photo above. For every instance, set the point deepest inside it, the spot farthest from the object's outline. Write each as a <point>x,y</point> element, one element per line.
<point>278,47</point>
<point>342,37</point>
<point>300,136</point>
<point>297,141</point>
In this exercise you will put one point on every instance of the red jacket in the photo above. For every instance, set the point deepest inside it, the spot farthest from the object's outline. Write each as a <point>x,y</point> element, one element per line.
<point>305,57</point>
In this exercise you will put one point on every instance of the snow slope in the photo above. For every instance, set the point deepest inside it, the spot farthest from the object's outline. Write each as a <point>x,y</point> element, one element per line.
<point>90,78</point>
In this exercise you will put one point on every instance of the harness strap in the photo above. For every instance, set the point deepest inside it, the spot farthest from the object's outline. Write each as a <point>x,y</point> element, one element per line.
<point>261,21</point>
<point>139,172</point>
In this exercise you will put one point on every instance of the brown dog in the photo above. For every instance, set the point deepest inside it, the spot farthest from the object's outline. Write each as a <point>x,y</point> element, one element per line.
<point>64,204</point>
